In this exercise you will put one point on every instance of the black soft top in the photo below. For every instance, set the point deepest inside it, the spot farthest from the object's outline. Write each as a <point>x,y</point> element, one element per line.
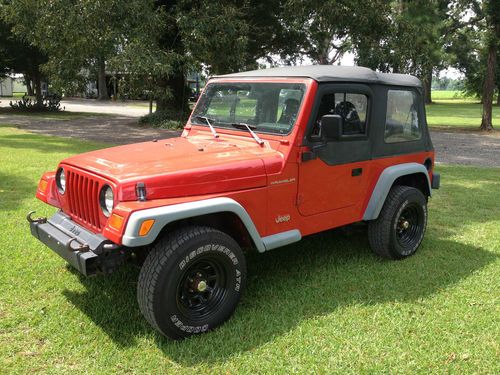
<point>332,73</point>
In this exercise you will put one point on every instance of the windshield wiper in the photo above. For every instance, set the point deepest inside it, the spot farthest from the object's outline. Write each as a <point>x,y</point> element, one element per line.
<point>209,123</point>
<point>240,125</point>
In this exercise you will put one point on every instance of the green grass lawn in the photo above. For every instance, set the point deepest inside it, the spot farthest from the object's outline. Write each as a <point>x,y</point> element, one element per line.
<point>452,95</point>
<point>323,305</point>
<point>452,111</point>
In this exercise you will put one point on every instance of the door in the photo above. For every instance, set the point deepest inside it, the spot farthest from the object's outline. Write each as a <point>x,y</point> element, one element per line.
<point>334,176</point>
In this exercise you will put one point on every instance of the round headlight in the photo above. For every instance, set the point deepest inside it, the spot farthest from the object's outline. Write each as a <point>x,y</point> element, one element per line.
<point>107,200</point>
<point>61,181</point>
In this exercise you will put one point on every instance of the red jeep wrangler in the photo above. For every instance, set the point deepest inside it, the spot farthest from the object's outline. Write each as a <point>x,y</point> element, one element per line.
<point>267,157</point>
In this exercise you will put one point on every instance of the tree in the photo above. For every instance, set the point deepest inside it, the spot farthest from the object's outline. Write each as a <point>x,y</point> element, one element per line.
<point>475,45</point>
<point>492,44</point>
<point>77,36</point>
<point>177,37</point>
<point>219,37</point>
<point>411,42</point>
<point>152,44</point>
<point>18,56</point>
<point>227,36</point>
<point>326,30</point>
<point>4,50</point>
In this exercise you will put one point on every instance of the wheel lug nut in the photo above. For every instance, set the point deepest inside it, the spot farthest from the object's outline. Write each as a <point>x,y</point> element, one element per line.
<point>202,286</point>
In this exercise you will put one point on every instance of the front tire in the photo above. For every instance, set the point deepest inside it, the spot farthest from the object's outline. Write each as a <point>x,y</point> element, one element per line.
<point>398,231</point>
<point>191,281</point>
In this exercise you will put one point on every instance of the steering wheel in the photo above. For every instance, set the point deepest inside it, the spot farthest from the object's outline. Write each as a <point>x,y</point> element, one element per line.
<point>348,111</point>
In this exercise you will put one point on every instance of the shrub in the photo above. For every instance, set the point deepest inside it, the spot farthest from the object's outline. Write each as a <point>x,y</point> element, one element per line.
<point>163,119</point>
<point>50,103</point>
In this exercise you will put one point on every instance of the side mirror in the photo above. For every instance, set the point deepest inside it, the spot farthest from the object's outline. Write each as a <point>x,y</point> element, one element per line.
<point>331,127</point>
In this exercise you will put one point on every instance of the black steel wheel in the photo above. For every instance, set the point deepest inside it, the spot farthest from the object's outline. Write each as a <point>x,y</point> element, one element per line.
<point>410,225</point>
<point>191,281</point>
<point>399,230</point>
<point>202,288</point>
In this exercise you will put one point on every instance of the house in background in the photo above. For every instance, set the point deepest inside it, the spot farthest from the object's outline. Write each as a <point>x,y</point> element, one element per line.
<point>19,85</point>
<point>13,84</point>
<point>6,86</point>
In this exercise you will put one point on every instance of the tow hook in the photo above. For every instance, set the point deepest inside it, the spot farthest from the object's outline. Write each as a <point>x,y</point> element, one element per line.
<point>39,220</point>
<point>83,247</point>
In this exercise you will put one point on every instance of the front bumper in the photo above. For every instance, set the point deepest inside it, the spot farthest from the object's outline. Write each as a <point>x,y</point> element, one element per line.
<point>88,252</point>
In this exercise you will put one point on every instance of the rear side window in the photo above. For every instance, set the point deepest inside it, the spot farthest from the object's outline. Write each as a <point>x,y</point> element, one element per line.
<point>402,122</point>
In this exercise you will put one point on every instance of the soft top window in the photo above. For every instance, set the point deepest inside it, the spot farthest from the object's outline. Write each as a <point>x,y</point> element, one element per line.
<point>265,107</point>
<point>402,121</point>
<point>352,107</point>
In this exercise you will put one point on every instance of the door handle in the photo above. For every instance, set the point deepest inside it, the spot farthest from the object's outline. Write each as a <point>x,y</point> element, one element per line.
<point>356,172</point>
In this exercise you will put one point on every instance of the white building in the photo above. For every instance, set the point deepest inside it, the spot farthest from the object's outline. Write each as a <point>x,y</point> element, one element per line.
<point>6,86</point>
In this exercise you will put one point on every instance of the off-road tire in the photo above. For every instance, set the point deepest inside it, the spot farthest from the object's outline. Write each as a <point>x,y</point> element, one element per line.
<point>166,288</point>
<point>385,234</point>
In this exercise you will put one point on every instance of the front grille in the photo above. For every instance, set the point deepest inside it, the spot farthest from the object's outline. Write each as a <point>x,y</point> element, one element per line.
<point>83,198</point>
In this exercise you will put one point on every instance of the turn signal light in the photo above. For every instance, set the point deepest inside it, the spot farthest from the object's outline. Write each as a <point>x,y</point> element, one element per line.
<point>42,186</point>
<point>116,221</point>
<point>146,227</point>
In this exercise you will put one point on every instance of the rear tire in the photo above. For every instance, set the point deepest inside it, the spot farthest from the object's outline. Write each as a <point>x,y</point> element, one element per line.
<point>398,231</point>
<point>191,281</point>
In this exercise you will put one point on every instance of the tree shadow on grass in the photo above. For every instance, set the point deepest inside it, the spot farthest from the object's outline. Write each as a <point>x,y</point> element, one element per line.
<point>45,144</point>
<point>311,278</point>
<point>14,188</point>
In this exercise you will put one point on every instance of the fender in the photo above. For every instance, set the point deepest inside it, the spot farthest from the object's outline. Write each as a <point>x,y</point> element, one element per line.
<point>168,214</point>
<point>385,182</point>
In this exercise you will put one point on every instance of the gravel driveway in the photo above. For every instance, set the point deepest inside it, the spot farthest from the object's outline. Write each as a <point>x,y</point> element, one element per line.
<point>467,148</point>
<point>132,108</point>
<point>107,129</point>
<point>451,147</point>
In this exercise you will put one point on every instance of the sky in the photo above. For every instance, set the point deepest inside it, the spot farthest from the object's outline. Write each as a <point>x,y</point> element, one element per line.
<point>348,60</point>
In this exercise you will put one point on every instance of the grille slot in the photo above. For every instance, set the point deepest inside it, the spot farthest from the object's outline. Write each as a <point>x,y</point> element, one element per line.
<point>83,198</point>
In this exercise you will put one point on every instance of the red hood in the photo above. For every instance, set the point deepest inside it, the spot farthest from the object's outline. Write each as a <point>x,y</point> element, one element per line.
<point>181,166</point>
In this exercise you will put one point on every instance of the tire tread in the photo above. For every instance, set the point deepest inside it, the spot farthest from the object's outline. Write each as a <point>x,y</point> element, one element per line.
<point>379,230</point>
<point>160,254</point>
<point>167,249</point>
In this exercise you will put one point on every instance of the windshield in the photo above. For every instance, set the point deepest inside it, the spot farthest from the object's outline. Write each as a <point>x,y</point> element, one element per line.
<point>265,107</point>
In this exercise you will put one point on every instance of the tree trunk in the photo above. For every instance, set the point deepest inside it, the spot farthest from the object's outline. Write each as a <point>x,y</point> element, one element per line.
<point>29,87</point>
<point>101,80</point>
<point>427,81</point>
<point>38,90</point>
<point>323,58</point>
<point>177,99</point>
<point>488,90</point>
